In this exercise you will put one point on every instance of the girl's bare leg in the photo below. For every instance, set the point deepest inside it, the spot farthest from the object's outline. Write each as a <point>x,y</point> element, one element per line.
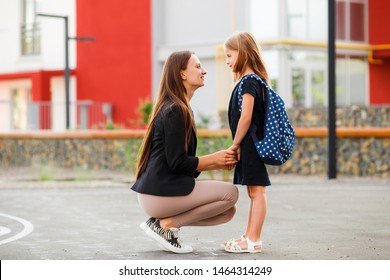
<point>257,214</point>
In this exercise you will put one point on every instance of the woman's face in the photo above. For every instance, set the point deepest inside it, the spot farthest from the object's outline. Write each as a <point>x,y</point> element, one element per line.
<point>193,76</point>
<point>231,58</point>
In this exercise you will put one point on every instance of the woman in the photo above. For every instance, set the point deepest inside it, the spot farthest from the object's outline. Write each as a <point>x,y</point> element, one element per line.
<point>166,186</point>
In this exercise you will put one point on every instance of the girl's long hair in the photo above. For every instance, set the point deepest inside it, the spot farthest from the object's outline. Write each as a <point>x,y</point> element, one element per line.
<point>171,93</point>
<point>248,55</point>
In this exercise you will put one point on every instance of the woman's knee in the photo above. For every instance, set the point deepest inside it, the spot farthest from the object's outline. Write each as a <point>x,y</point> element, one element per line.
<point>229,214</point>
<point>231,194</point>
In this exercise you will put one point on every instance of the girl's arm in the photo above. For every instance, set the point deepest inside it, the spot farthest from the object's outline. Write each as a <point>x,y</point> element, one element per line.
<point>244,123</point>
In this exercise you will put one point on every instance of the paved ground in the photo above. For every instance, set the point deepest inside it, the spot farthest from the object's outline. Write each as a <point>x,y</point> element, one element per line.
<point>308,218</point>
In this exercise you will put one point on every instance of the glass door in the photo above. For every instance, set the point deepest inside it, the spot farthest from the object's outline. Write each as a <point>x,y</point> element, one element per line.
<point>19,100</point>
<point>308,85</point>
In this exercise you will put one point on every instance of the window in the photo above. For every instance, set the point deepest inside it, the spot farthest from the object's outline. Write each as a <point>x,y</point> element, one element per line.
<point>298,87</point>
<point>30,33</point>
<point>308,79</point>
<point>296,19</point>
<point>318,94</point>
<point>351,20</point>
<point>306,19</point>
<point>351,81</point>
<point>308,86</point>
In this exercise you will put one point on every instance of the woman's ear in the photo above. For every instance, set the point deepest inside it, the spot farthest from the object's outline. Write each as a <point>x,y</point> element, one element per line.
<point>183,75</point>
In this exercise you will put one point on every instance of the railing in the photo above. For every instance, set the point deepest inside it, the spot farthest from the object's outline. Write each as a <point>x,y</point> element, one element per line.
<point>83,115</point>
<point>46,115</point>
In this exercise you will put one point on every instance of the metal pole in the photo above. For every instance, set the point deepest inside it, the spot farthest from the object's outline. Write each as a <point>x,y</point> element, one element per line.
<point>332,145</point>
<point>67,70</point>
<point>67,73</point>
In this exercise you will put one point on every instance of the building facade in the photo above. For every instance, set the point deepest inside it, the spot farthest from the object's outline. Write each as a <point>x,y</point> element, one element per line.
<point>111,76</point>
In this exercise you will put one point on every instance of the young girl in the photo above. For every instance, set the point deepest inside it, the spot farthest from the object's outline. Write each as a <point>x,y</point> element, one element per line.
<point>243,57</point>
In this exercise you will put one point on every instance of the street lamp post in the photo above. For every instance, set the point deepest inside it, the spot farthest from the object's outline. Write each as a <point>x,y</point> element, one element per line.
<point>67,70</point>
<point>332,145</point>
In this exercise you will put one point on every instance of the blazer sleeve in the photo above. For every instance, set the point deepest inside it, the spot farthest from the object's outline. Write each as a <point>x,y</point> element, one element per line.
<point>179,162</point>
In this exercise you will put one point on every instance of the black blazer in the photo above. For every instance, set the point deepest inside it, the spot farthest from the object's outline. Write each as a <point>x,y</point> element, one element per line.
<point>171,171</point>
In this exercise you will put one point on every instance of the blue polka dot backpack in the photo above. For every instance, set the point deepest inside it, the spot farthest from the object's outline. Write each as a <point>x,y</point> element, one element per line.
<point>277,144</point>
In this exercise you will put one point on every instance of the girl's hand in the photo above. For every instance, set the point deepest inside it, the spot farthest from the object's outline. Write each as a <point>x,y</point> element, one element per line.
<point>237,149</point>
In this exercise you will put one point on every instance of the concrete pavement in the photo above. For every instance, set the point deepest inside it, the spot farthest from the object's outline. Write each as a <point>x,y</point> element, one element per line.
<point>309,218</point>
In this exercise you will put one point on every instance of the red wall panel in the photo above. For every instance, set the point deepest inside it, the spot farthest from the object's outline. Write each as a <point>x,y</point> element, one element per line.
<point>380,83</point>
<point>379,19</point>
<point>115,68</point>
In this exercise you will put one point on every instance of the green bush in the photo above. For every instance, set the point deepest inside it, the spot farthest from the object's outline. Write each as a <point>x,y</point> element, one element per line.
<point>145,110</point>
<point>208,145</point>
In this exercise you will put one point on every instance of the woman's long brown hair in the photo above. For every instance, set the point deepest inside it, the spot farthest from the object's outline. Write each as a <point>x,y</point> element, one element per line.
<point>171,92</point>
<point>248,55</point>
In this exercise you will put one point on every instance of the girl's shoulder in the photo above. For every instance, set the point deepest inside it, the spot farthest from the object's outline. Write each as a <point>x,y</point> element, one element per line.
<point>250,78</point>
<point>250,84</point>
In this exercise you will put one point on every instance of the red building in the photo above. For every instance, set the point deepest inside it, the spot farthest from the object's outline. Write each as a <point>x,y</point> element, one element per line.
<point>116,68</point>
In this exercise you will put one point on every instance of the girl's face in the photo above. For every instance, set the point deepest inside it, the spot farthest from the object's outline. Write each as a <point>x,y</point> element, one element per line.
<point>231,58</point>
<point>193,76</point>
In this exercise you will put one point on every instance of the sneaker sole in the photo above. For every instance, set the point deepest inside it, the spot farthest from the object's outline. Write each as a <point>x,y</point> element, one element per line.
<point>166,244</point>
<point>145,227</point>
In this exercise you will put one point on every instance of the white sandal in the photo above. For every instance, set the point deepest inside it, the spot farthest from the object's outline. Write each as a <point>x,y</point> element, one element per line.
<point>233,240</point>
<point>236,248</point>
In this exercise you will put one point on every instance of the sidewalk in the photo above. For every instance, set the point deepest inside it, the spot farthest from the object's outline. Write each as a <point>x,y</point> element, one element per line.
<point>96,217</point>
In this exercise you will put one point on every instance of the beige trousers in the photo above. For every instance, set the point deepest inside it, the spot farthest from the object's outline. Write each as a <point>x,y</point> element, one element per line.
<point>210,203</point>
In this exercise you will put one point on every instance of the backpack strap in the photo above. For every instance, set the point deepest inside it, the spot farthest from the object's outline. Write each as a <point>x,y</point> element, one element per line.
<point>264,90</point>
<point>264,87</point>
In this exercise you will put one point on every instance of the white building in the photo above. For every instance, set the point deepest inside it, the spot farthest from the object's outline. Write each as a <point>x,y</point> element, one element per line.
<point>292,35</point>
<point>30,45</point>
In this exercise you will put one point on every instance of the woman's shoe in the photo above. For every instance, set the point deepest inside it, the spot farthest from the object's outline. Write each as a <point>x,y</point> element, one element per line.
<point>169,238</point>
<point>251,247</point>
<point>147,224</point>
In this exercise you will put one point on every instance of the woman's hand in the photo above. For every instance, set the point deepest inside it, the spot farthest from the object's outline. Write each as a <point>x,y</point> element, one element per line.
<point>227,167</point>
<point>225,158</point>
